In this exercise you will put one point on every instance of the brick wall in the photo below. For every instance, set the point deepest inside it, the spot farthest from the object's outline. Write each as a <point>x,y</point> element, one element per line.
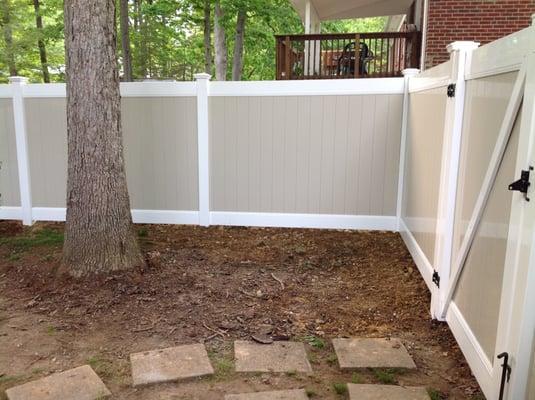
<point>479,20</point>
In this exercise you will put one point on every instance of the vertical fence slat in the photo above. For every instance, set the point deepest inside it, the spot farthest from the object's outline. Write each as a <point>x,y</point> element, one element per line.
<point>203,147</point>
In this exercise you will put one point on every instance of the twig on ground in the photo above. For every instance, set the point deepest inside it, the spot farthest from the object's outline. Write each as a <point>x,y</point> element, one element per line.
<point>216,332</point>
<point>278,280</point>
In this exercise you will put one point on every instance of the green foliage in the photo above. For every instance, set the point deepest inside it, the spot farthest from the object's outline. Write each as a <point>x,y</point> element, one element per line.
<point>167,36</point>
<point>40,238</point>
<point>340,388</point>
<point>356,378</point>
<point>434,394</point>
<point>385,376</point>
<point>315,341</point>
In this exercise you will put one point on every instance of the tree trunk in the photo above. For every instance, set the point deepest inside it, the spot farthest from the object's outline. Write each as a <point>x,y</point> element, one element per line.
<point>237,61</point>
<point>41,42</point>
<point>99,236</point>
<point>8,37</point>
<point>220,44</point>
<point>207,38</point>
<point>125,42</point>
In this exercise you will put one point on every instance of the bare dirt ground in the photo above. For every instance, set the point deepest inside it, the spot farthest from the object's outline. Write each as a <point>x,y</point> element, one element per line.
<point>215,285</point>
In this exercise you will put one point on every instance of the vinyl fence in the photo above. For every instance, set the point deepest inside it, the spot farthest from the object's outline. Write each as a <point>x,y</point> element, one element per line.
<point>430,155</point>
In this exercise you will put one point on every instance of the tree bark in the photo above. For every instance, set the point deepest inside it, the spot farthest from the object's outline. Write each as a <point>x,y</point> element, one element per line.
<point>99,235</point>
<point>41,42</point>
<point>143,47</point>
<point>8,37</point>
<point>237,61</point>
<point>220,44</point>
<point>207,38</point>
<point>125,42</point>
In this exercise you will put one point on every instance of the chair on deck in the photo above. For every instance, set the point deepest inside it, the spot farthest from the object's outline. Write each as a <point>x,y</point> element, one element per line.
<point>346,61</point>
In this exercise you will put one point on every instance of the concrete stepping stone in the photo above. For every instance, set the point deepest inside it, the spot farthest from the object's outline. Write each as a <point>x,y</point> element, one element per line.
<point>274,357</point>
<point>381,392</point>
<point>372,353</point>
<point>298,394</point>
<point>168,365</point>
<point>80,383</point>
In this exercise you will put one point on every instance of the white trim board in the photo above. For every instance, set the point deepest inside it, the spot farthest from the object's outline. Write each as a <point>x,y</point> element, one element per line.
<point>9,213</point>
<point>471,349</point>
<point>323,221</point>
<point>323,87</point>
<point>418,255</point>
<point>128,89</point>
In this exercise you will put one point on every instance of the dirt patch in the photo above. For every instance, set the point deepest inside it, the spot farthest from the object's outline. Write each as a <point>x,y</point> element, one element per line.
<point>216,285</point>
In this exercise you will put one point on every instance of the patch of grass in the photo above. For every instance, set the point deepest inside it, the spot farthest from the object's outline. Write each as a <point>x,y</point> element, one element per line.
<point>143,232</point>
<point>14,257</point>
<point>223,366</point>
<point>385,376</point>
<point>315,341</point>
<point>11,378</point>
<point>51,330</point>
<point>332,359</point>
<point>40,238</point>
<point>356,378</point>
<point>340,388</point>
<point>310,392</point>
<point>102,367</point>
<point>434,394</point>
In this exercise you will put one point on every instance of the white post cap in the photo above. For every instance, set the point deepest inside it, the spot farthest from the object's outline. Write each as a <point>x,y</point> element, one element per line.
<point>465,45</point>
<point>202,75</point>
<point>410,71</point>
<point>533,19</point>
<point>18,79</point>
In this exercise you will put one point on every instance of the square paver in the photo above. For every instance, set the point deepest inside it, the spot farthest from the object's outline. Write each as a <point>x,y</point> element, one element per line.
<point>372,353</point>
<point>298,394</point>
<point>172,364</point>
<point>80,383</point>
<point>274,357</point>
<point>381,392</point>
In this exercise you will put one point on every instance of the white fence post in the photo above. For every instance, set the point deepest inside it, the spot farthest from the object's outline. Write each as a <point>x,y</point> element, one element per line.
<point>407,74</point>
<point>460,55</point>
<point>21,138</point>
<point>203,143</point>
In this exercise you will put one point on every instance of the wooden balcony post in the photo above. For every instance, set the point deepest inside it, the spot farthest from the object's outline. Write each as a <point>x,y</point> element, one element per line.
<point>288,57</point>
<point>357,55</point>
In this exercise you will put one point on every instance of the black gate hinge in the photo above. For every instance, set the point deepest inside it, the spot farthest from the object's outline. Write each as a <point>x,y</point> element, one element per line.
<point>522,185</point>
<point>451,90</point>
<point>436,279</point>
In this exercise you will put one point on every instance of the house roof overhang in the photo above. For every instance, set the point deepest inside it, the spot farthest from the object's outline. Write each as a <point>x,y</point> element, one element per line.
<point>346,9</point>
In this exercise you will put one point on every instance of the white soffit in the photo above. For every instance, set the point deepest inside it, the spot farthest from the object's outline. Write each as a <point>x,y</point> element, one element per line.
<point>346,9</point>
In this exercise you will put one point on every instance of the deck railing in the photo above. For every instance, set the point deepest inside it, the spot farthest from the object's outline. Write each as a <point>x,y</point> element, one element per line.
<point>332,56</point>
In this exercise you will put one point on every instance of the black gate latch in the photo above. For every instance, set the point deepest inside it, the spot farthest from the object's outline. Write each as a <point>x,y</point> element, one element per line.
<point>506,372</point>
<point>522,185</point>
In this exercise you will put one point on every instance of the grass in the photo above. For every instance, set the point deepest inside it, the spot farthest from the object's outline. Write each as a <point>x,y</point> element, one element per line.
<point>37,238</point>
<point>332,359</point>
<point>315,341</point>
<point>223,365</point>
<point>51,330</point>
<point>356,378</point>
<point>434,394</point>
<point>143,232</point>
<point>340,388</point>
<point>385,376</point>
<point>101,366</point>
<point>11,378</point>
<point>310,392</point>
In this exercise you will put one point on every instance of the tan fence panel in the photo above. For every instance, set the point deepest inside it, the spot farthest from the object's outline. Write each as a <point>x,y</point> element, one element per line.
<point>305,154</point>
<point>160,136</point>
<point>160,151</point>
<point>9,177</point>
<point>423,166</point>
<point>479,291</point>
